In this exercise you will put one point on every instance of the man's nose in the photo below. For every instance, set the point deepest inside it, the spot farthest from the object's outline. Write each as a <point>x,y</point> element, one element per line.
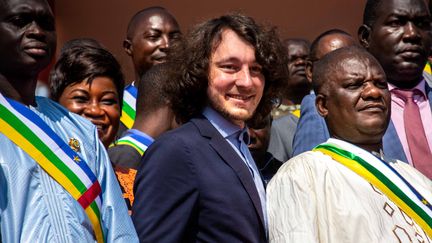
<point>371,91</point>
<point>35,30</point>
<point>411,31</point>
<point>300,61</point>
<point>244,77</point>
<point>165,42</point>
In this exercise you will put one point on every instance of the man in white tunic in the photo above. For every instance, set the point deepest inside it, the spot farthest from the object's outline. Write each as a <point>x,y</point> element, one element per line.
<point>332,194</point>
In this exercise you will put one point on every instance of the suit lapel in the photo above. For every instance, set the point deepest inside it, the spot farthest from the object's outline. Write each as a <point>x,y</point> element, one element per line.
<point>224,149</point>
<point>392,145</point>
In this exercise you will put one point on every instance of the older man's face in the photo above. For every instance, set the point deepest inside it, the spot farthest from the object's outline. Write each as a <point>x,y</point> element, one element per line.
<point>357,101</point>
<point>236,81</point>
<point>400,40</point>
<point>27,36</point>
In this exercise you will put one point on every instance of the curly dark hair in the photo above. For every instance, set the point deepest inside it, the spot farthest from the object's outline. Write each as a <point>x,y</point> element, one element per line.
<point>191,60</point>
<point>78,63</point>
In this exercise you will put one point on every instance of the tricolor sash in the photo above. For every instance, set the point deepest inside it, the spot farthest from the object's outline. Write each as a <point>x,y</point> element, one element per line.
<point>427,68</point>
<point>384,177</point>
<point>29,132</point>
<point>138,142</point>
<point>129,106</point>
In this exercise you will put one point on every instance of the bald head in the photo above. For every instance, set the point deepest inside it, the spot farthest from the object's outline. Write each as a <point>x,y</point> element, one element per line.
<point>332,63</point>
<point>150,34</point>
<point>329,41</point>
<point>371,10</point>
<point>145,15</point>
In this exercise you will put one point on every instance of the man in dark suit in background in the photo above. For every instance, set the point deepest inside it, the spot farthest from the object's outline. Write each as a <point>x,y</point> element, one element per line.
<point>398,34</point>
<point>199,183</point>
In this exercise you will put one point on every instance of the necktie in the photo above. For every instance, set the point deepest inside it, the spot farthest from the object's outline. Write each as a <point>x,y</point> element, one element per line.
<point>418,145</point>
<point>259,184</point>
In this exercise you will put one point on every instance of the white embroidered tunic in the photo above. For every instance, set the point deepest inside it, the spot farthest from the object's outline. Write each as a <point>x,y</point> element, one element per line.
<point>314,198</point>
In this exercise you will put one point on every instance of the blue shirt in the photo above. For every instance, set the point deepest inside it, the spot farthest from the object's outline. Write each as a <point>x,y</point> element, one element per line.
<point>234,135</point>
<point>35,208</point>
<point>228,130</point>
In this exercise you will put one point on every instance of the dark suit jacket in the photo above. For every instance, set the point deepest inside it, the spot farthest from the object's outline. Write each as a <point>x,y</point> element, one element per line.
<point>193,187</point>
<point>312,130</point>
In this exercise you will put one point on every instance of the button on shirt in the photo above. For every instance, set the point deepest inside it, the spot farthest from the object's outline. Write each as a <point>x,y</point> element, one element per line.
<point>397,108</point>
<point>236,137</point>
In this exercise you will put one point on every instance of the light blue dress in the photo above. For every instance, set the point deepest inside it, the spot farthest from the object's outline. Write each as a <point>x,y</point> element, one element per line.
<point>35,208</point>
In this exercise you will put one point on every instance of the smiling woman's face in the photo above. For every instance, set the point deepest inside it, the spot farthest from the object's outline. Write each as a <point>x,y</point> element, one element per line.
<point>98,102</point>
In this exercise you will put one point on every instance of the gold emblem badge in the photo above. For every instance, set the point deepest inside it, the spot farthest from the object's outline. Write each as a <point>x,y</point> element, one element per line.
<point>76,159</point>
<point>74,144</point>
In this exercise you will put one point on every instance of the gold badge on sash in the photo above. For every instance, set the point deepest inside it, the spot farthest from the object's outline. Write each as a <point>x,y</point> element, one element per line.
<point>76,159</point>
<point>74,144</point>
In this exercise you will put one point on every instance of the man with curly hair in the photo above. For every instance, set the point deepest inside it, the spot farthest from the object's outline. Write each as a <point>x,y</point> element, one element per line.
<point>199,183</point>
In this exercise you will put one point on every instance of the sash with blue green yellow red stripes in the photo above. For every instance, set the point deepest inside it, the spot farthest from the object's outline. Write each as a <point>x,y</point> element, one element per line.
<point>138,142</point>
<point>129,106</point>
<point>384,177</point>
<point>29,132</point>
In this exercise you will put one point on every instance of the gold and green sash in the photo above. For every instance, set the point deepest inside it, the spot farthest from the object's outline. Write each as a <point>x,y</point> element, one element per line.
<point>129,106</point>
<point>384,177</point>
<point>30,133</point>
<point>427,68</point>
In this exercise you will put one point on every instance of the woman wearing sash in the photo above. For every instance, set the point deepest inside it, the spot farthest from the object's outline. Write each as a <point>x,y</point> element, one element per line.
<point>345,190</point>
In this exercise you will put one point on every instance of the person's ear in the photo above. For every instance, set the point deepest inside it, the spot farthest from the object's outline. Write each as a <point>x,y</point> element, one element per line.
<point>308,70</point>
<point>127,46</point>
<point>364,33</point>
<point>321,105</point>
